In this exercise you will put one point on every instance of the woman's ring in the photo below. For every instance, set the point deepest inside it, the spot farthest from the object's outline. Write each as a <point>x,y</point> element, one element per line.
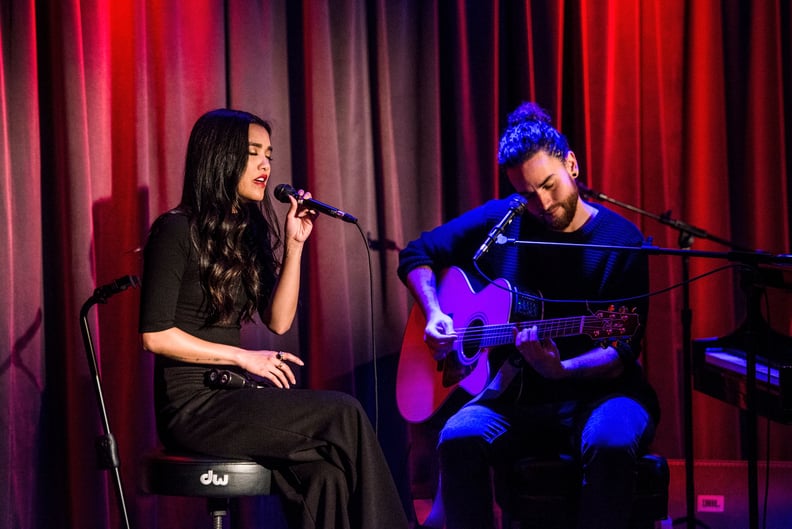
<point>279,355</point>
<point>280,366</point>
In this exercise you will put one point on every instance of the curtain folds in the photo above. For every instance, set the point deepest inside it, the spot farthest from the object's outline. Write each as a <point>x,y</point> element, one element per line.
<point>390,111</point>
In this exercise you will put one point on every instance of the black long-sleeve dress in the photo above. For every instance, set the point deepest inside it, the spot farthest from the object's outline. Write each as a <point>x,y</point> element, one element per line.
<point>327,461</point>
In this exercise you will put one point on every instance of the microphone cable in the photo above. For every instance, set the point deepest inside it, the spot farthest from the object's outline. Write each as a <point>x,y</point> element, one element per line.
<point>372,325</point>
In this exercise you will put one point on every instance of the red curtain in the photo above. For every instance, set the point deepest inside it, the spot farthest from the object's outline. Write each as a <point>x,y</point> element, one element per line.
<point>391,111</point>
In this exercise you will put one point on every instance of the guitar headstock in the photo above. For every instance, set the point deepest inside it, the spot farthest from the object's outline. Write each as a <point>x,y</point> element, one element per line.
<point>611,323</point>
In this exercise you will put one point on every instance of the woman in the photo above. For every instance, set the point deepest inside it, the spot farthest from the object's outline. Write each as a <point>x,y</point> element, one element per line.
<point>209,265</point>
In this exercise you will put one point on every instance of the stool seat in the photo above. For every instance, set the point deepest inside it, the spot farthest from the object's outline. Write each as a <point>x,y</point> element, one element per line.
<point>180,474</point>
<point>543,492</point>
<point>219,480</point>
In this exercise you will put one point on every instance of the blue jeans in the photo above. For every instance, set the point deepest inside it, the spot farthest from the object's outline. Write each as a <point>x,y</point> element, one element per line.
<point>607,437</point>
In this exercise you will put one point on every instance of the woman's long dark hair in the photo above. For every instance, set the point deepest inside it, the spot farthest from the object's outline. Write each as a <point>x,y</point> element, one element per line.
<point>235,239</point>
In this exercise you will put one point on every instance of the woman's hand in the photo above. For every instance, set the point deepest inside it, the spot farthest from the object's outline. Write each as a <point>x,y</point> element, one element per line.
<point>299,219</point>
<point>272,365</point>
<point>179,345</point>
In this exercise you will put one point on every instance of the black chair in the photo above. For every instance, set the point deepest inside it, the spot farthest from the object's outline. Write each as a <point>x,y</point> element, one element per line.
<point>218,480</point>
<point>536,493</point>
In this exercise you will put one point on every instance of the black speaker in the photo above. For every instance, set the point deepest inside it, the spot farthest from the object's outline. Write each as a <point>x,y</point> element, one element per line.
<point>721,489</point>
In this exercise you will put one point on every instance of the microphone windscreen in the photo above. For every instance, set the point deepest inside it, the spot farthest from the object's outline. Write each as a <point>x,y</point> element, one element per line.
<point>518,203</point>
<point>282,192</point>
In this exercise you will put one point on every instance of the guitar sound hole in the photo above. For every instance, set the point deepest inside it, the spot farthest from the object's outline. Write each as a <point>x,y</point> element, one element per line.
<point>471,340</point>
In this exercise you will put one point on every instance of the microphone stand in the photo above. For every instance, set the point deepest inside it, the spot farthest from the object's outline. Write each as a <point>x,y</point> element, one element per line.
<point>686,235</point>
<point>106,448</point>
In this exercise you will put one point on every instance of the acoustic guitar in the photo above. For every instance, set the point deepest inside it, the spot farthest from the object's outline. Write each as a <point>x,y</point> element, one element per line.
<point>481,321</point>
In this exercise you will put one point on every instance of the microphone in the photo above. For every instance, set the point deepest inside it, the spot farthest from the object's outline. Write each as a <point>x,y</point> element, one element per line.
<point>104,292</point>
<point>517,205</point>
<point>226,379</point>
<point>283,191</point>
<point>589,193</point>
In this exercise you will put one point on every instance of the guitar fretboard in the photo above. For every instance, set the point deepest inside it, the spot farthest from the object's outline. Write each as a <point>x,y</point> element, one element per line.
<point>602,325</point>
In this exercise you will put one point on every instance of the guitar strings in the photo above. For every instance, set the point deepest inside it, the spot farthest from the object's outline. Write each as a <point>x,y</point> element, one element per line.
<point>592,325</point>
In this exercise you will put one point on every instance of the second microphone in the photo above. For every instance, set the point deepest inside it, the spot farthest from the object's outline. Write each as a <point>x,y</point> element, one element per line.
<point>283,191</point>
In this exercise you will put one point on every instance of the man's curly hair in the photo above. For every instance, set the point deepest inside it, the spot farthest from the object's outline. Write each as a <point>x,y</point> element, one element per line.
<point>529,131</point>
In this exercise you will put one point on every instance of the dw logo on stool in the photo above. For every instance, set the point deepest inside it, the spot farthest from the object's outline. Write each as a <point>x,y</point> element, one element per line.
<point>209,478</point>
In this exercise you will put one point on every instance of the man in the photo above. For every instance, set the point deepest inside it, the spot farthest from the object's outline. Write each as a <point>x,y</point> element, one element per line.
<point>573,393</point>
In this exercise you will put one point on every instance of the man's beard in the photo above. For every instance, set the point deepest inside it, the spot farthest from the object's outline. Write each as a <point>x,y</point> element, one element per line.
<point>568,209</point>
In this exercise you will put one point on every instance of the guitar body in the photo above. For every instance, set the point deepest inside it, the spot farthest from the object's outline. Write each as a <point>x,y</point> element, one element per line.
<point>423,384</point>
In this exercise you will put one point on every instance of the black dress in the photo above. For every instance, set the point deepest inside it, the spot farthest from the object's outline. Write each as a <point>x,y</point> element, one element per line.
<point>327,461</point>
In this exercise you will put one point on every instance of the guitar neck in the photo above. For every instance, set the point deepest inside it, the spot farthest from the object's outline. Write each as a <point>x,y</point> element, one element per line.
<point>503,334</point>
